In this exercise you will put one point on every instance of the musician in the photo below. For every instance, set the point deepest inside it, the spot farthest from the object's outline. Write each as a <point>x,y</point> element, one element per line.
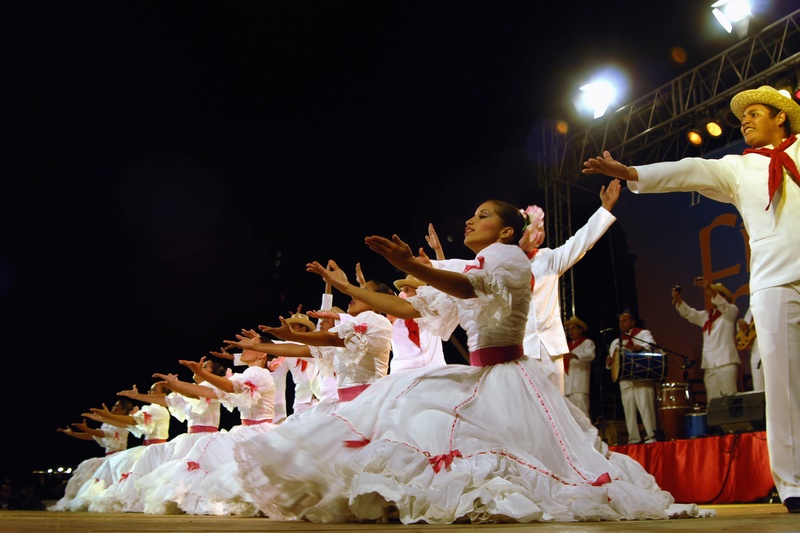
<point>720,360</point>
<point>747,332</point>
<point>638,397</point>
<point>578,364</point>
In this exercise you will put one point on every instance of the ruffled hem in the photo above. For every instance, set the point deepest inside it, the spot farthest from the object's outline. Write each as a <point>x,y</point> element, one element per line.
<point>433,446</point>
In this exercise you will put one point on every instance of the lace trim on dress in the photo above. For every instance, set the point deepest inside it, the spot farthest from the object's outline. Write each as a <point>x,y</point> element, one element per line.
<point>323,358</point>
<point>493,303</point>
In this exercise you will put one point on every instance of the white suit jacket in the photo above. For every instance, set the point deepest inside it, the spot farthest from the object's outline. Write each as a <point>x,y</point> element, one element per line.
<point>580,369</point>
<point>741,180</point>
<point>719,344</point>
<point>544,328</point>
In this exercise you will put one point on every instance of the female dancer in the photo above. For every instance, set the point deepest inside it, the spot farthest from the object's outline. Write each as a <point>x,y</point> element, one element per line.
<point>493,441</point>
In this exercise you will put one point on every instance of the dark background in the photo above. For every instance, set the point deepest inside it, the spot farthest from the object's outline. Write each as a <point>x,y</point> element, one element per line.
<point>168,168</point>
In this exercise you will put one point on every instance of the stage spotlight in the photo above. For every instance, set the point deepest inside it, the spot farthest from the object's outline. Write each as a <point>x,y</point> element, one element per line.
<point>732,14</point>
<point>713,128</point>
<point>695,137</point>
<point>597,96</point>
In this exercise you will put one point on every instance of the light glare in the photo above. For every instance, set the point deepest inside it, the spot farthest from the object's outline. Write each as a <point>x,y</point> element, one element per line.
<point>597,96</point>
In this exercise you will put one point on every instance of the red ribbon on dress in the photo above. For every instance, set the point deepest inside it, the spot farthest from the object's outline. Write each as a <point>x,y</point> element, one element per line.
<point>193,465</point>
<point>413,331</point>
<point>203,429</point>
<point>778,159</point>
<point>302,363</point>
<point>712,316</point>
<point>249,422</point>
<point>356,443</point>
<point>479,266</point>
<point>360,328</point>
<point>252,387</point>
<point>602,480</point>
<point>495,355</point>
<point>350,393</point>
<point>443,460</point>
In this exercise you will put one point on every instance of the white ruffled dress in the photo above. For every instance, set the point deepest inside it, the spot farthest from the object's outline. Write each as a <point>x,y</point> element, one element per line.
<point>489,443</point>
<point>199,482</point>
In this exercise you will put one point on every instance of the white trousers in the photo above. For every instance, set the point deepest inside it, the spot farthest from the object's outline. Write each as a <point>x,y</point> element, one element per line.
<point>756,370</point>
<point>721,381</point>
<point>639,396</point>
<point>777,314</point>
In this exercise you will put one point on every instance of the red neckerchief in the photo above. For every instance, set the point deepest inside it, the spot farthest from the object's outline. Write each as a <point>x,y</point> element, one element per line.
<point>712,316</point>
<point>628,337</point>
<point>577,342</point>
<point>778,159</point>
<point>413,331</point>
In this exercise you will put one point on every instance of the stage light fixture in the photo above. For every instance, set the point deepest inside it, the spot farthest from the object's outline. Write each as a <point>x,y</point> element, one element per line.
<point>725,117</point>
<point>713,128</point>
<point>732,14</point>
<point>695,137</point>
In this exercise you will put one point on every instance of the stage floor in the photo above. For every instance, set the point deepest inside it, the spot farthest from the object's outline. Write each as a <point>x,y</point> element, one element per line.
<point>746,518</point>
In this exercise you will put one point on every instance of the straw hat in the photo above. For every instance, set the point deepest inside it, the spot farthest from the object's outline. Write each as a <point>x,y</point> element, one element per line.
<point>578,322</point>
<point>303,320</point>
<point>770,96</point>
<point>408,281</point>
<point>722,289</point>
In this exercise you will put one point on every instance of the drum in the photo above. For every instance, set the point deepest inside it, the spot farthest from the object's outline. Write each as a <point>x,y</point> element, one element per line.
<point>696,425</point>
<point>639,366</point>
<point>674,403</point>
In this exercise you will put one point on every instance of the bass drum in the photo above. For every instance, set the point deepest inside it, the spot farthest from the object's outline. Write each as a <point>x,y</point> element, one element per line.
<point>639,366</point>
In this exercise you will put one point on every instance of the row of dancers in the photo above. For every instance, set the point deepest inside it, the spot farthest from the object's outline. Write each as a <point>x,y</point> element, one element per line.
<point>492,441</point>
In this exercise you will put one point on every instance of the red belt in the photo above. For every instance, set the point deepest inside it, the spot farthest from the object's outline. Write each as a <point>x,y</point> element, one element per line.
<point>247,422</point>
<point>148,442</point>
<point>495,355</point>
<point>203,429</point>
<point>351,393</point>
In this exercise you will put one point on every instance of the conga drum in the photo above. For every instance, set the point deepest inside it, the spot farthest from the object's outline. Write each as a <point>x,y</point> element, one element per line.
<point>674,403</point>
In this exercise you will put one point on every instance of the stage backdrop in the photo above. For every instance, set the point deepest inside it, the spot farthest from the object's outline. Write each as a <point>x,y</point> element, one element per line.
<point>658,241</point>
<point>675,238</point>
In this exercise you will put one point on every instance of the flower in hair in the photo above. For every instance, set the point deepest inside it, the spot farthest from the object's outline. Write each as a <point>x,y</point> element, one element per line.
<point>533,232</point>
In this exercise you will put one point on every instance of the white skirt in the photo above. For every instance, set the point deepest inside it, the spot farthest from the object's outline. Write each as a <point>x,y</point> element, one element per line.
<point>452,444</point>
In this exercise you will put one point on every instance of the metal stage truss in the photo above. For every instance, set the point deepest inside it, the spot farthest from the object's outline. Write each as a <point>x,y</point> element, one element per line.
<point>654,127</point>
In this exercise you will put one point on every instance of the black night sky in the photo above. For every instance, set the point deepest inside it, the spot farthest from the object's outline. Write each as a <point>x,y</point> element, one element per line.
<point>168,168</point>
